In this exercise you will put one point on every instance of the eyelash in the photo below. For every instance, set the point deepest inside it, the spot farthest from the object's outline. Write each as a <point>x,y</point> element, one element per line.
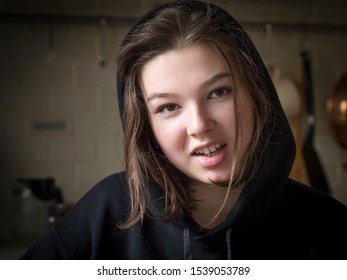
<point>164,109</point>
<point>224,90</point>
<point>167,108</point>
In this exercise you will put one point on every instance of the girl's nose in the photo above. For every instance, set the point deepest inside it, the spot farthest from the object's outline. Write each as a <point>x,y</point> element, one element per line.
<point>199,122</point>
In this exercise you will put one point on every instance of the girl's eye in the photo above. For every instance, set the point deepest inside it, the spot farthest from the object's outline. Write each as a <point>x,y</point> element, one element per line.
<point>168,108</point>
<point>220,92</point>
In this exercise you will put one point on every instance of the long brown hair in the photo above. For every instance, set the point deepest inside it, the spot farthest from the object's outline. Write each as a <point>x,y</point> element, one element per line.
<point>179,25</point>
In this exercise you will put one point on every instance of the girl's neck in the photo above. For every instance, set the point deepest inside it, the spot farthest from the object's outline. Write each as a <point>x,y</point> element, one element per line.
<point>213,203</point>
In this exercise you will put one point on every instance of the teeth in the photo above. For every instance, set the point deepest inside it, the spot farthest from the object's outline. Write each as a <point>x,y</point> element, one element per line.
<point>213,149</point>
<point>208,150</point>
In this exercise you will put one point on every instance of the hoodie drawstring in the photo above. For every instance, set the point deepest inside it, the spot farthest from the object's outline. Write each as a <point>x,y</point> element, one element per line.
<point>187,244</point>
<point>228,241</point>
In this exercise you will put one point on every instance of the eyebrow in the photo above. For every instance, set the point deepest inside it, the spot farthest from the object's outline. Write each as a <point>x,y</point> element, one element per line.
<point>206,83</point>
<point>215,78</point>
<point>160,95</point>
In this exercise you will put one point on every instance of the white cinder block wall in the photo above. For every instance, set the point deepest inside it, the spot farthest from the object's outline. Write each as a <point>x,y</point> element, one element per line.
<point>50,76</point>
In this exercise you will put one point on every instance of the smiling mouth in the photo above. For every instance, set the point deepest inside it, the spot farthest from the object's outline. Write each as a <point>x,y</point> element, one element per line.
<point>209,151</point>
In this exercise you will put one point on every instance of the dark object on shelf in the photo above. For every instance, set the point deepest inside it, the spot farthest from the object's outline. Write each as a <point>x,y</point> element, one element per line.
<point>44,189</point>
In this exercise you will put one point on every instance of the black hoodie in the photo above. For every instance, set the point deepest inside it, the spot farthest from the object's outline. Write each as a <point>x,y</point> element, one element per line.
<point>274,217</point>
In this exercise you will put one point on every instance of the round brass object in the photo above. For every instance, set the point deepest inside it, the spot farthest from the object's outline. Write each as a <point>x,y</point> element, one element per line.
<point>337,111</point>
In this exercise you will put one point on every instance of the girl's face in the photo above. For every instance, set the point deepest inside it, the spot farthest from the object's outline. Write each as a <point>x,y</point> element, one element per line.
<point>189,96</point>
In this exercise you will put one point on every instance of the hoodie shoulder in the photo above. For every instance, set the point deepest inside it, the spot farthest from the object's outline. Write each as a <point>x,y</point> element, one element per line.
<point>109,195</point>
<point>311,200</point>
<point>113,188</point>
<point>108,199</point>
<point>303,223</point>
<point>88,228</point>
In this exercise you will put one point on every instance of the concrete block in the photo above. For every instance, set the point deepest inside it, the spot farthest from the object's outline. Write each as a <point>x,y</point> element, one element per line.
<point>287,11</point>
<point>49,75</point>
<point>13,125</point>
<point>69,50</point>
<point>11,74</point>
<point>327,12</point>
<point>36,30</point>
<point>111,150</point>
<point>94,75</point>
<point>13,149</point>
<point>24,99</point>
<point>62,32</point>
<point>74,150</point>
<point>76,7</point>
<point>252,11</point>
<point>11,28</point>
<point>18,6</point>
<point>122,8</point>
<point>97,124</point>
<point>24,49</point>
<point>108,100</point>
<point>72,99</point>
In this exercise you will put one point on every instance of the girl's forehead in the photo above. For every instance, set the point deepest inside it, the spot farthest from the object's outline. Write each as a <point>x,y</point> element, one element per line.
<point>184,67</point>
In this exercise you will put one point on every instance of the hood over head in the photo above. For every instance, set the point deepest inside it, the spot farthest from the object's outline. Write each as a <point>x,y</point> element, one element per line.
<point>261,192</point>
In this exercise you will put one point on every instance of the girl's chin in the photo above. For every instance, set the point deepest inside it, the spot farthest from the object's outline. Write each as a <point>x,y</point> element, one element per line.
<point>222,181</point>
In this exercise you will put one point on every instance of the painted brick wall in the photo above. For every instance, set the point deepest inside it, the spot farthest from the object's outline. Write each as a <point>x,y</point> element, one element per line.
<point>50,74</point>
